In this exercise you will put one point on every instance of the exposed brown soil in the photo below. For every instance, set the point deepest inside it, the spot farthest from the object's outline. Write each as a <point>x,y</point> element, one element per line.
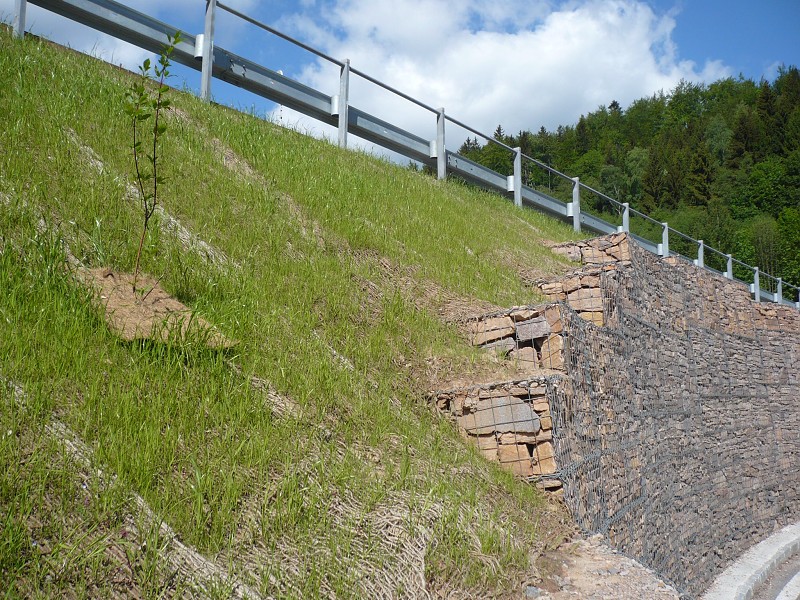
<point>531,275</point>
<point>587,569</point>
<point>148,311</point>
<point>425,295</point>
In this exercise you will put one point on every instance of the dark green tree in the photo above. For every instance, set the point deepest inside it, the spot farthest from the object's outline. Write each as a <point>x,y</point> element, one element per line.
<point>700,177</point>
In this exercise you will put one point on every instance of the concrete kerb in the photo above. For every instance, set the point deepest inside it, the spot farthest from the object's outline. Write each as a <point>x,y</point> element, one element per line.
<point>740,580</point>
<point>792,589</point>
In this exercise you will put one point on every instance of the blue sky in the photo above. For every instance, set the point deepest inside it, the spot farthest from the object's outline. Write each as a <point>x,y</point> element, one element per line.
<point>751,38</point>
<point>522,63</point>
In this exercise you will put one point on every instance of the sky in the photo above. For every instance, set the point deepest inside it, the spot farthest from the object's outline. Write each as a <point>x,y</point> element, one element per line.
<point>519,63</point>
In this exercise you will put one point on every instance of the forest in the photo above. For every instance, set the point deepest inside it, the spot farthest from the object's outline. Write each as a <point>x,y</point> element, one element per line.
<point>719,162</point>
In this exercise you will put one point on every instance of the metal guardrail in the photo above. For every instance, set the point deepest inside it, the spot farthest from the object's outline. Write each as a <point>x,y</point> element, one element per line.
<point>199,52</point>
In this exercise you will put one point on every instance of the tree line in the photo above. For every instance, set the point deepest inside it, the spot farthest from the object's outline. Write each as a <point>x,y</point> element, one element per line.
<point>719,162</point>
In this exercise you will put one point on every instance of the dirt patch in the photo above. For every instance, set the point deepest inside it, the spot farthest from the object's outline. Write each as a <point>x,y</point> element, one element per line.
<point>546,268</point>
<point>148,312</point>
<point>484,368</point>
<point>235,163</point>
<point>424,294</point>
<point>591,570</point>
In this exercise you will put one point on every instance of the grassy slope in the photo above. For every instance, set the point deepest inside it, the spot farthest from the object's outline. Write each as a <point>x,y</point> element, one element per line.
<point>332,247</point>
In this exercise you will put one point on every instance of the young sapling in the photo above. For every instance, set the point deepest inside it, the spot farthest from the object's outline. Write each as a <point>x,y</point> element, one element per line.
<point>143,103</point>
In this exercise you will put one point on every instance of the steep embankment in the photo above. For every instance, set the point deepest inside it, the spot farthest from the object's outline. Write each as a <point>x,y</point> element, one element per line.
<point>301,463</point>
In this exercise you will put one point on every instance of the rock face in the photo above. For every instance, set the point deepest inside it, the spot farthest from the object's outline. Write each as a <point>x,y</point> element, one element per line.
<point>510,423</point>
<point>661,397</point>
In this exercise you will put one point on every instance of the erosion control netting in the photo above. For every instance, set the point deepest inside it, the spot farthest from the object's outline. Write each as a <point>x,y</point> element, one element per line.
<point>676,434</point>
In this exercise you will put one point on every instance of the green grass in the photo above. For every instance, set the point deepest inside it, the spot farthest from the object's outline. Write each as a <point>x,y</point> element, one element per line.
<point>176,424</point>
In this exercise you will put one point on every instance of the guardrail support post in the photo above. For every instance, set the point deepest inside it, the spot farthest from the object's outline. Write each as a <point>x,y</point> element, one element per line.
<point>701,259</point>
<point>664,245</point>
<point>344,102</point>
<point>19,18</point>
<point>626,218</point>
<point>441,152</point>
<point>574,207</point>
<point>208,51</point>
<point>729,267</point>
<point>756,289</point>
<point>779,291</point>
<point>517,177</point>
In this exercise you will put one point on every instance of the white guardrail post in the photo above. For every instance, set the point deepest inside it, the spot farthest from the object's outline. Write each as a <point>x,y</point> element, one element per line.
<point>756,287</point>
<point>514,182</point>
<point>779,291</point>
<point>701,259</point>
<point>626,218</point>
<point>441,152</point>
<point>574,207</point>
<point>19,18</point>
<point>343,102</point>
<point>663,249</point>
<point>208,51</point>
<point>729,267</point>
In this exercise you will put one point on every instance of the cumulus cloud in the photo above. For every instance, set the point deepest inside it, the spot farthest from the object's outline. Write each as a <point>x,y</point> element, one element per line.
<point>518,63</point>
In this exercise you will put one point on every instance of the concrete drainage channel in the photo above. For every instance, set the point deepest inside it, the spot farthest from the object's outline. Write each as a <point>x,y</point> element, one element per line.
<point>744,579</point>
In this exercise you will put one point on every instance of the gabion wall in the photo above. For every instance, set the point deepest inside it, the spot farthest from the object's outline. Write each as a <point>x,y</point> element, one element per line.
<point>678,436</point>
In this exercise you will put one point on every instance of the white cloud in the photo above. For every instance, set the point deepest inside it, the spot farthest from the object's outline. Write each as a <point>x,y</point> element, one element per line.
<point>518,63</point>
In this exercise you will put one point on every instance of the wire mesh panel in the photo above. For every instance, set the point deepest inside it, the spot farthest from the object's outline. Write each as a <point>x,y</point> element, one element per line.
<point>676,434</point>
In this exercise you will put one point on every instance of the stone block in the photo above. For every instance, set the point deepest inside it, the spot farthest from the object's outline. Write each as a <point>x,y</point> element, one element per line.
<point>596,256</point>
<point>489,454</point>
<point>553,352</point>
<point>543,451</point>
<point>590,281</point>
<point>505,414</point>
<point>541,406</point>
<point>532,329</point>
<point>524,437</point>
<point>586,299</point>
<point>522,392</point>
<point>594,317</point>
<point>489,330</point>
<point>457,404</point>
<point>552,288</point>
<point>621,252</point>
<point>550,485</point>
<point>501,346</point>
<point>523,314</point>
<point>545,466</point>
<point>516,458</point>
<point>553,315</point>
<point>570,284</point>
<point>485,442</point>
<point>525,358</point>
